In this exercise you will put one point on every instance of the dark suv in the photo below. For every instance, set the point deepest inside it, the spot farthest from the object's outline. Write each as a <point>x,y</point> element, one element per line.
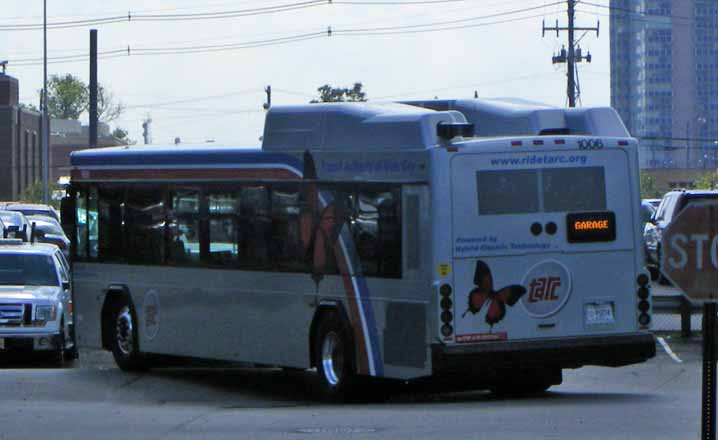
<point>673,203</point>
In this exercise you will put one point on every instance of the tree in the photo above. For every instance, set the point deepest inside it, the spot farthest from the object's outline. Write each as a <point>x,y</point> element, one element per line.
<point>107,109</point>
<point>649,190</point>
<point>67,97</point>
<point>328,93</point>
<point>33,193</point>
<point>29,107</point>
<point>706,181</point>
<point>122,135</point>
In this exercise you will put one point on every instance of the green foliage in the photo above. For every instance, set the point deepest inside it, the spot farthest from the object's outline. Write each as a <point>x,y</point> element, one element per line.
<point>67,97</point>
<point>30,107</point>
<point>649,190</point>
<point>121,135</point>
<point>706,181</point>
<point>33,193</point>
<point>328,93</point>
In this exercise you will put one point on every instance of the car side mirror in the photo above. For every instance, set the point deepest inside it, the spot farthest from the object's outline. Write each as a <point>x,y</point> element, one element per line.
<point>65,285</point>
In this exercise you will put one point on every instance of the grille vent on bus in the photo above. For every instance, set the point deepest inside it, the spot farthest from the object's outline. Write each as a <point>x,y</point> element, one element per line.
<point>405,335</point>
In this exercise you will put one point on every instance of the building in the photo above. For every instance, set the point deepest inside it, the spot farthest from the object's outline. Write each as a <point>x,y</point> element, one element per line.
<point>20,143</point>
<point>664,79</point>
<point>67,136</point>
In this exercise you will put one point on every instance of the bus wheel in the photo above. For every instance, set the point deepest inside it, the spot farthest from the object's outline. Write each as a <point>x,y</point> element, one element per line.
<point>124,338</point>
<point>335,359</point>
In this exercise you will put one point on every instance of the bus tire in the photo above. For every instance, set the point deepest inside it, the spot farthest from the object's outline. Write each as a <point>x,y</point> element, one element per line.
<point>124,341</point>
<point>334,354</point>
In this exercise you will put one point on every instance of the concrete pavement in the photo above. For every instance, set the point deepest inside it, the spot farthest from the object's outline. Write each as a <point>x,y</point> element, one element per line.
<point>659,399</point>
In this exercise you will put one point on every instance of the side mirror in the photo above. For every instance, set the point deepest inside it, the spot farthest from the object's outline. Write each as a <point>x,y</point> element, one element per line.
<point>65,285</point>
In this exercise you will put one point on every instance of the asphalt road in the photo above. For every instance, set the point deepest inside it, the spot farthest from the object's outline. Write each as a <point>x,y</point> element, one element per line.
<point>659,399</point>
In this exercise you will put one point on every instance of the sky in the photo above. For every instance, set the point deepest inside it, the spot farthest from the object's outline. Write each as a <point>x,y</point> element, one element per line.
<point>188,75</point>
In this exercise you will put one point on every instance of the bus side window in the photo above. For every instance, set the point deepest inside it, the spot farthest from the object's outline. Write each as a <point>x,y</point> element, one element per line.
<point>109,218</point>
<point>184,227</point>
<point>254,227</point>
<point>81,223</point>
<point>376,228</point>
<point>145,224</point>
<point>285,250</point>
<point>92,221</point>
<point>223,222</point>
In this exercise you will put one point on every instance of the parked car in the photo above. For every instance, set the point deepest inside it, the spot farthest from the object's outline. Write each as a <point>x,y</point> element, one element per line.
<point>16,225</point>
<point>671,204</point>
<point>653,202</point>
<point>33,209</point>
<point>647,212</point>
<point>48,230</point>
<point>35,300</point>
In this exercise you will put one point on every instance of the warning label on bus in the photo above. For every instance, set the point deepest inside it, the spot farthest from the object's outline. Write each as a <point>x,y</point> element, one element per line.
<point>482,337</point>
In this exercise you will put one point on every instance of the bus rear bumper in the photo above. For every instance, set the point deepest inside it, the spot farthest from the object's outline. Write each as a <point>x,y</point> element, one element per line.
<point>605,350</point>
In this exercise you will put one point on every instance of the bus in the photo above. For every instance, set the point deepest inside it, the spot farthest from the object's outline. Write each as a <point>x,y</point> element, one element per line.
<point>371,241</point>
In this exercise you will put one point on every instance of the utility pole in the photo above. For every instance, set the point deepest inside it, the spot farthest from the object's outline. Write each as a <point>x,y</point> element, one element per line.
<point>45,128</point>
<point>574,54</point>
<point>93,88</point>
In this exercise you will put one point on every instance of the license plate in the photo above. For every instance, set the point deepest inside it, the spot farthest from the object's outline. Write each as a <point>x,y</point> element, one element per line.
<point>2,344</point>
<point>599,314</point>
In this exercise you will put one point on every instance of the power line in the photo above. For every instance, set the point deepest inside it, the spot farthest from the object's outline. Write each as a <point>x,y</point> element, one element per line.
<point>169,17</point>
<point>385,30</point>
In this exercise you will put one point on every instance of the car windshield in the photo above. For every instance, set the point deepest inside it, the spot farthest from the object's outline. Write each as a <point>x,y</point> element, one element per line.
<point>27,270</point>
<point>12,218</point>
<point>47,227</point>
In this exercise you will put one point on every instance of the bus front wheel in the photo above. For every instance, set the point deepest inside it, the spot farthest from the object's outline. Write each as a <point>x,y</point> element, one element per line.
<point>334,356</point>
<point>124,345</point>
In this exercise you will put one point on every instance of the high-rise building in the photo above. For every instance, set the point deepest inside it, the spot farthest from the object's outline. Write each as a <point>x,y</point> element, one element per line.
<point>664,79</point>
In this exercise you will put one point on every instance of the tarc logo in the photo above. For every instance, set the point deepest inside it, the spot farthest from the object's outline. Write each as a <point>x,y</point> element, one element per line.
<point>548,287</point>
<point>544,289</point>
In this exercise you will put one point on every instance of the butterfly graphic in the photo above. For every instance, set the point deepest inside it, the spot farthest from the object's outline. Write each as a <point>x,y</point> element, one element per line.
<point>485,293</point>
<point>319,228</point>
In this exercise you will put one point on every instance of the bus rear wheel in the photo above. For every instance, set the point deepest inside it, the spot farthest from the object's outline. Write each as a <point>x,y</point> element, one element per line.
<point>124,345</point>
<point>334,356</point>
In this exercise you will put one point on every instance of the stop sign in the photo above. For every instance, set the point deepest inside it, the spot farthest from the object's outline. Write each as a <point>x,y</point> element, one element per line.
<point>689,251</point>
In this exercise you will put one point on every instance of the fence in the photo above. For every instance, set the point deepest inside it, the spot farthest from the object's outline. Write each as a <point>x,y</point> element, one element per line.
<point>676,304</point>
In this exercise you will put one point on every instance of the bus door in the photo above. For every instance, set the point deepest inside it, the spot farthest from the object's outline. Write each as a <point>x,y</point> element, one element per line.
<point>543,244</point>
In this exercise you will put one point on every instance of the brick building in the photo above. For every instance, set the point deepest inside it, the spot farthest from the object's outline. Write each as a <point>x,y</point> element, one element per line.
<point>20,143</point>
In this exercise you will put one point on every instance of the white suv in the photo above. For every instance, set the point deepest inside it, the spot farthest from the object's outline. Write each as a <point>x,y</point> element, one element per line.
<point>35,300</point>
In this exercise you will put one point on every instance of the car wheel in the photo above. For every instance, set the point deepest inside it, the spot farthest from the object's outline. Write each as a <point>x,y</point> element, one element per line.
<point>125,348</point>
<point>59,356</point>
<point>72,353</point>
<point>334,354</point>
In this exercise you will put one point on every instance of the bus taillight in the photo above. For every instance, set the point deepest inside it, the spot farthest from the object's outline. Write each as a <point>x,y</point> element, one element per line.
<point>447,317</point>
<point>644,306</point>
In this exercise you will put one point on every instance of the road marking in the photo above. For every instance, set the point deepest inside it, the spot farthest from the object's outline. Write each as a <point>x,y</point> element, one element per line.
<point>668,350</point>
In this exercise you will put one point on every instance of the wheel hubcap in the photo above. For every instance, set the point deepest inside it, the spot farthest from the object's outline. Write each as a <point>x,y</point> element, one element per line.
<point>332,358</point>
<point>123,330</point>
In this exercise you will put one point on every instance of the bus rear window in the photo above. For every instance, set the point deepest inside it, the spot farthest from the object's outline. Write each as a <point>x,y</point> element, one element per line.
<point>507,192</point>
<point>574,189</point>
<point>548,190</point>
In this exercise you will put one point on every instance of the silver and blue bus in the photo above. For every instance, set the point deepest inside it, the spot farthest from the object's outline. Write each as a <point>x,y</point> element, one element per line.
<point>493,242</point>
